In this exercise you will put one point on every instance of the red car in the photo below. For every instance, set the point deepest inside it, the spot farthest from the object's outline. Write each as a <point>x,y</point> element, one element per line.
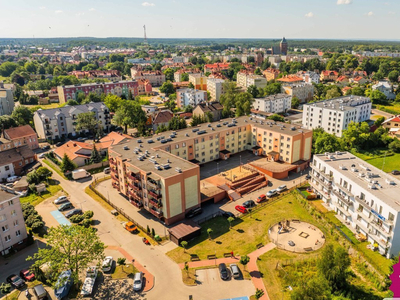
<point>261,198</point>
<point>241,209</point>
<point>27,275</point>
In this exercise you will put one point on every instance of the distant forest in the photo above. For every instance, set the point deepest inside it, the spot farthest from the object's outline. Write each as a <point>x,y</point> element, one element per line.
<point>216,44</point>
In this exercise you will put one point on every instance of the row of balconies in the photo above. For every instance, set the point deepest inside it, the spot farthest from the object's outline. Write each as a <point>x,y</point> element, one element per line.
<point>155,212</point>
<point>153,184</point>
<point>343,199</point>
<point>154,194</point>
<point>155,203</point>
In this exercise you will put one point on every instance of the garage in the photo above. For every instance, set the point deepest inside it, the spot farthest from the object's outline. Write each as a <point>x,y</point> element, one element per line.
<point>184,231</point>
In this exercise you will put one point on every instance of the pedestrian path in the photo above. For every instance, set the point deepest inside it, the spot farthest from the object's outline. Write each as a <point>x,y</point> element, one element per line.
<point>147,275</point>
<point>251,266</point>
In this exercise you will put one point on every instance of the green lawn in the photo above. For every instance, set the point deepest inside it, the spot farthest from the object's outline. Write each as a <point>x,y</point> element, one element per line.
<point>122,272</point>
<point>391,108</point>
<point>54,168</point>
<point>245,234</point>
<point>34,199</point>
<point>381,158</point>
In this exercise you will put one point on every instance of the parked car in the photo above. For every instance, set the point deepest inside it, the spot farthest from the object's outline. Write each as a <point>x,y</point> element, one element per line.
<point>308,176</point>
<point>241,209</point>
<point>138,281</point>
<point>227,214</point>
<point>272,193</point>
<point>12,178</point>
<point>107,264</point>
<point>76,211</point>
<point>107,170</point>
<point>291,243</point>
<point>61,199</point>
<point>46,148</point>
<point>223,271</point>
<point>65,206</point>
<point>395,172</point>
<point>27,275</point>
<point>261,198</point>
<point>42,155</point>
<point>249,204</point>
<point>194,212</point>
<point>15,281</point>
<point>40,292</point>
<point>281,188</point>
<point>234,270</point>
<point>64,284</point>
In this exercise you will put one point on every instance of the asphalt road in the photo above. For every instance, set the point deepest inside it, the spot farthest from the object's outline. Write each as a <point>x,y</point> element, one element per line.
<point>381,113</point>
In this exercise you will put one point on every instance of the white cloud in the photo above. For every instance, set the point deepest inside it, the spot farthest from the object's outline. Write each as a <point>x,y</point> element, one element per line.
<point>391,13</point>
<point>42,7</point>
<point>58,11</point>
<point>79,14</point>
<point>92,9</point>
<point>309,15</point>
<point>340,2</point>
<point>370,14</point>
<point>148,4</point>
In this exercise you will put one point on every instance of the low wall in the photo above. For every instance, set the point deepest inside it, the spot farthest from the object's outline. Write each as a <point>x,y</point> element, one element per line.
<point>95,166</point>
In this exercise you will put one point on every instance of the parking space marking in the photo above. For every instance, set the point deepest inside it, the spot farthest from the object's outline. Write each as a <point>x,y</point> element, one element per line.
<point>60,218</point>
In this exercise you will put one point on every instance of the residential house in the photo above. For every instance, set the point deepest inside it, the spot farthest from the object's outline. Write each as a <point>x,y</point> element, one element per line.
<point>161,118</point>
<point>21,158</point>
<point>290,79</point>
<point>393,126</point>
<point>386,88</point>
<point>205,108</point>
<point>271,74</point>
<point>216,67</point>
<point>309,76</point>
<point>328,75</point>
<point>22,135</point>
<point>343,80</point>
<point>178,74</point>
<point>111,75</point>
<point>156,78</point>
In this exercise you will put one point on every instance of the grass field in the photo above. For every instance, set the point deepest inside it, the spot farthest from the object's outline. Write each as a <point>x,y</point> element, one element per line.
<point>45,106</point>
<point>122,272</point>
<point>381,158</point>
<point>245,233</point>
<point>34,199</point>
<point>391,108</point>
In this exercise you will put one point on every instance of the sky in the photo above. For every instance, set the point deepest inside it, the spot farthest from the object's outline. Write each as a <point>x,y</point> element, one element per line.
<point>296,19</point>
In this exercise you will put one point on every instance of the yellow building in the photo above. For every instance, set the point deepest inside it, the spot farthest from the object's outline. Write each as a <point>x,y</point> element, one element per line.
<point>199,81</point>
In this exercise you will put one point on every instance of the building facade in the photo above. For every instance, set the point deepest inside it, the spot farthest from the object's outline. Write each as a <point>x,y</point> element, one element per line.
<point>276,104</point>
<point>214,108</point>
<point>199,81</point>
<point>13,230</point>
<point>112,75</point>
<point>309,76</point>
<point>162,175</point>
<point>6,100</point>
<point>192,97</point>
<point>364,198</point>
<point>334,115</point>
<point>156,78</point>
<point>386,88</point>
<point>257,80</point>
<point>215,87</point>
<point>57,123</point>
<point>303,91</point>
<point>19,136</point>
<point>271,74</point>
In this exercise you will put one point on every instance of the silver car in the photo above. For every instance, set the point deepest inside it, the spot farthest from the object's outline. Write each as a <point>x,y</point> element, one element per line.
<point>138,281</point>
<point>272,193</point>
<point>61,199</point>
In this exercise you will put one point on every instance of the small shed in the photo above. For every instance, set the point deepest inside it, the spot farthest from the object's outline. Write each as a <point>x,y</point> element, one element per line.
<point>40,188</point>
<point>184,231</point>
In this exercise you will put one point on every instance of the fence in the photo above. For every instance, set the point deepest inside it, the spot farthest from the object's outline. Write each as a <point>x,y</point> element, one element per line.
<point>92,187</point>
<point>95,166</point>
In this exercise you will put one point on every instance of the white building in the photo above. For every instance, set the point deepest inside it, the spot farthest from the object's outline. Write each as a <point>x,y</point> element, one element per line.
<point>12,224</point>
<point>278,103</point>
<point>386,88</point>
<point>257,80</point>
<point>334,115</point>
<point>310,77</point>
<point>6,100</point>
<point>215,87</point>
<point>365,198</point>
<point>192,97</point>
<point>303,91</point>
<point>60,122</point>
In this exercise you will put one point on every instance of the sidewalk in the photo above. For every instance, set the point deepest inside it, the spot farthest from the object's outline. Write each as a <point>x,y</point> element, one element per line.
<point>147,275</point>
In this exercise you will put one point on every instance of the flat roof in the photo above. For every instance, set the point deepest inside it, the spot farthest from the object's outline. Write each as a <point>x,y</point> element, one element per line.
<point>184,229</point>
<point>5,196</point>
<point>388,187</point>
<point>346,102</point>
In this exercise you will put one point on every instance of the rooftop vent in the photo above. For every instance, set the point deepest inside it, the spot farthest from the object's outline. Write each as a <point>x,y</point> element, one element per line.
<point>158,167</point>
<point>166,166</point>
<point>126,148</point>
<point>342,168</point>
<point>195,129</point>
<point>179,170</point>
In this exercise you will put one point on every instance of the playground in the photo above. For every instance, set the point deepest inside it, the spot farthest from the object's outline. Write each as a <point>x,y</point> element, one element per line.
<point>296,236</point>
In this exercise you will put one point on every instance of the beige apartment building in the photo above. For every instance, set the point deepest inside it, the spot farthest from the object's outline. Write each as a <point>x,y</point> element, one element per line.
<point>162,175</point>
<point>303,91</point>
<point>216,88</point>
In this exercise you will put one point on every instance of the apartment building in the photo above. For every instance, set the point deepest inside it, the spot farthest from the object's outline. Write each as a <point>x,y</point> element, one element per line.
<point>118,88</point>
<point>290,79</point>
<point>216,67</point>
<point>56,123</point>
<point>309,76</point>
<point>334,115</point>
<point>365,198</point>
<point>178,74</point>
<point>161,173</point>
<point>271,74</point>
<point>216,88</point>
<point>192,97</point>
<point>19,136</point>
<point>156,78</point>
<point>303,91</point>
<point>279,103</point>
<point>6,100</point>
<point>257,80</point>
<point>199,81</point>
<point>13,231</point>
<point>112,75</point>
<point>241,78</point>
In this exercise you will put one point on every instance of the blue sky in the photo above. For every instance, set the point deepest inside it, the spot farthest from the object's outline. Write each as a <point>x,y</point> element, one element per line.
<point>334,19</point>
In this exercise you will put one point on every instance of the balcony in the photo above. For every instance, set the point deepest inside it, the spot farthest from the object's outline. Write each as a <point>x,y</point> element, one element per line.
<point>345,212</point>
<point>380,228</point>
<point>155,203</point>
<point>343,199</point>
<point>156,213</point>
<point>114,176</point>
<point>153,184</point>
<point>138,204</point>
<point>112,162</point>
<point>135,196</point>
<point>363,202</point>
<point>49,132</point>
<point>134,178</point>
<point>379,240</point>
<point>154,194</point>
<point>327,185</point>
<point>135,187</point>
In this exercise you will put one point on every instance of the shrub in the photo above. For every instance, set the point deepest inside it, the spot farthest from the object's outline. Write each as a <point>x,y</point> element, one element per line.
<point>33,219</point>
<point>88,214</point>
<point>86,223</point>
<point>37,226</point>
<point>76,218</point>
<point>153,233</point>
<point>5,288</point>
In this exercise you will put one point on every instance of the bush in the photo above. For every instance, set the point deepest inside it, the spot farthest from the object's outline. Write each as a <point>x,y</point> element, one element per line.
<point>76,219</point>
<point>88,214</point>
<point>5,288</point>
<point>37,226</point>
<point>33,219</point>
<point>86,223</point>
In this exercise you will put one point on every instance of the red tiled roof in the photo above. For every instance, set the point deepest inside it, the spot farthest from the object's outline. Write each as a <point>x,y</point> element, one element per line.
<point>342,78</point>
<point>290,78</point>
<point>328,73</point>
<point>163,116</point>
<point>18,132</point>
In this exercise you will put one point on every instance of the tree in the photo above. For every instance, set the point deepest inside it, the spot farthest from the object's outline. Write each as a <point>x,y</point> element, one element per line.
<point>230,220</point>
<point>153,233</point>
<point>276,118</point>
<point>394,76</point>
<point>190,85</point>
<point>316,288</point>
<point>72,102</point>
<point>258,71</point>
<point>130,114</point>
<point>67,164</point>
<point>332,93</point>
<point>244,260</point>
<point>22,115</point>
<point>186,268</point>
<point>185,77</point>
<point>88,121</point>
<point>295,102</point>
<point>113,102</point>
<point>7,122</point>
<point>161,128</point>
<point>272,88</point>
<point>378,122</point>
<point>395,146</point>
<point>7,68</point>
<point>95,156</point>
<point>70,247</point>
<point>259,293</point>
<point>169,74</point>
<point>357,91</point>
<point>184,244</point>
<point>253,90</point>
<point>377,96</point>
<point>176,123</point>
<point>121,261</point>
<point>167,88</point>
<point>209,231</point>
<point>43,173</point>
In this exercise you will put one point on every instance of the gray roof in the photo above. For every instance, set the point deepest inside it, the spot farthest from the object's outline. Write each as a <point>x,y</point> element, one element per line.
<point>68,110</point>
<point>274,97</point>
<point>347,102</point>
<point>5,196</point>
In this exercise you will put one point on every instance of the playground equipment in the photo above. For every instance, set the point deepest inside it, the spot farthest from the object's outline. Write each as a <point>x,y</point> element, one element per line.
<point>284,226</point>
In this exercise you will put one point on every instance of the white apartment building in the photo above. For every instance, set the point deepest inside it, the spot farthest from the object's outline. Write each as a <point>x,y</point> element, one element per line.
<point>216,88</point>
<point>60,122</point>
<point>12,224</point>
<point>192,97</point>
<point>334,115</point>
<point>365,198</point>
<point>6,100</point>
<point>6,170</point>
<point>278,103</point>
<point>257,80</point>
<point>303,91</point>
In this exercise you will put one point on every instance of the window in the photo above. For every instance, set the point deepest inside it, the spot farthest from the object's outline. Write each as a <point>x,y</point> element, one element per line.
<point>18,233</point>
<point>13,213</point>
<point>10,202</point>
<point>7,238</point>
<point>1,206</point>
<point>176,146</point>
<point>15,223</point>
<point>183,144</point>
<point>5,228</point>
<point>7,168</point>
<point>3,218</point>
